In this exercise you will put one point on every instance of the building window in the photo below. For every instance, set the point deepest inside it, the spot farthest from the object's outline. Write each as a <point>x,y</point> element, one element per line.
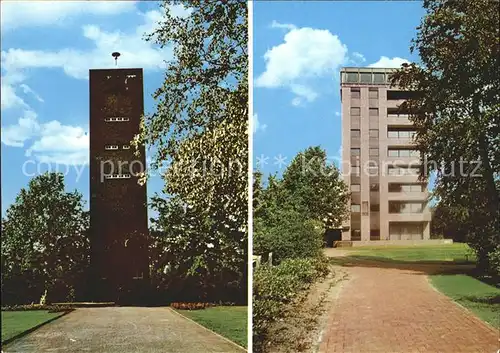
<point>402,134</point>
<point>355,187</point>
<point>373,133</point>
<point>111,147</point>
<point>405,231</point>
<point>355,151</point>
<point>393,187</point>
<point>139,275</point>
<point>374,187</point>
<point>374,152</point>
<point>355,208</point>
<point>355,93</point>
<point>366,77</point>
<point>373,112</point>
<point>356,234</point>
<point>118,176</point>
<point>355,133</point>
<point>126,147</point>
<point>373,171</point>
<point>355,170</point>
<point>352,77</point>
<point>396,170</point>
<point>411,188</point>
<point>405,207</point>
<point>402,153</point>
<point>116,119</point>
<point>378,77</point>
<point>374,208</point>
<point>355,111</point>
<point>373,93</point>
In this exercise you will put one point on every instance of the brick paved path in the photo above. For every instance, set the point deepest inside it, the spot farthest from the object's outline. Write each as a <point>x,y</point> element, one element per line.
<point>122,330</point>
<point>395,310</point>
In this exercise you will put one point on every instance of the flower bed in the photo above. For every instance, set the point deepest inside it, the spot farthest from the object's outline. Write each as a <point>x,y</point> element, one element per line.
<point>191,306</point>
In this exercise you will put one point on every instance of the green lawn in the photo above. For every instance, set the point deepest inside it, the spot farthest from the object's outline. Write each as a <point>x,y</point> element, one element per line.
<point>478,297</point>
<point>228,321</point>
<point>457,252</point>
<point>15,322</point>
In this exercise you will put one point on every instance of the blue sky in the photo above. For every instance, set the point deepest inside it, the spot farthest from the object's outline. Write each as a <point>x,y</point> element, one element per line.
<point>47,50</point>
<point>299,48</point>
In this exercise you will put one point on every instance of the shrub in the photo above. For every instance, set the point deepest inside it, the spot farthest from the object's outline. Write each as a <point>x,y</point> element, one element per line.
<point>288,236</point>
<point>494,261</point>
<point>274,287</point>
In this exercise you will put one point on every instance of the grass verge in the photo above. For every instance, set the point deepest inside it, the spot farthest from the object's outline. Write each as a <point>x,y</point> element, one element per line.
<point>480,298</point>
<point>17,322</point>
<point>227,321</point>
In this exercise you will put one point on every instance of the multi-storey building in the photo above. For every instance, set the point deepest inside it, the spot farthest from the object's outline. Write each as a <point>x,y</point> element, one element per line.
<point>118,211</point>
<point>380,163</point>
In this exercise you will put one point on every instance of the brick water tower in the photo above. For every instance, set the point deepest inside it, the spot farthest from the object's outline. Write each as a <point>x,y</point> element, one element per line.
<point>118,209</point>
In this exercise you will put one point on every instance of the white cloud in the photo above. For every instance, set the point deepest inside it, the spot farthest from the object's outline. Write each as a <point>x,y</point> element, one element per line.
<point>302,92</point>
<point>75,63</point>
<point>257,126</point>
<point>15,14</point>
<point>27,90</point>
<point>288,26</point>
<point>358,58</point>
<point>9,98</point>
<point>386,62</point>
<point>16,135</point>
<point>305,54</point>
<point>62,144</point>
<point>51,142</point>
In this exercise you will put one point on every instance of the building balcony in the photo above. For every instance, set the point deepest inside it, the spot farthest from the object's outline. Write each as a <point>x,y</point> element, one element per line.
<point>398,120</point>
<point>410,217</point>
<point>407,196</point>
<point>411,161</point>
<point>394,103</point>
<point>405,179</point>
<point>400,142</point>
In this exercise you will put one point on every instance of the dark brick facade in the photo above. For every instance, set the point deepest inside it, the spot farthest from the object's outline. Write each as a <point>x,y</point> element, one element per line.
<point>118,210</point>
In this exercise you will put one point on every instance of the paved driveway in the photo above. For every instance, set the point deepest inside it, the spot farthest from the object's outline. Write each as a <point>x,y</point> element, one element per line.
<point>123,330</point>
<point>392,308</point>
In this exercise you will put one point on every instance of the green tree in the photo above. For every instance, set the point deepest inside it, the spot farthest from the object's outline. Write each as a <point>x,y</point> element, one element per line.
<point>201,126</point>
<point>317,187</point>
<point>206,81</point>
<point>457,111</point>
<point>293,212</point>
<point>45,244</point>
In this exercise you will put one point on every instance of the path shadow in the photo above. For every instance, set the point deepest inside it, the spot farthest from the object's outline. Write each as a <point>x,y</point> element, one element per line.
<point>420,267</point>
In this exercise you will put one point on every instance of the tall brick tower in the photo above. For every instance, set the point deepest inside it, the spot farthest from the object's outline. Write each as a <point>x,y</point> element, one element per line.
<point>118,210</point>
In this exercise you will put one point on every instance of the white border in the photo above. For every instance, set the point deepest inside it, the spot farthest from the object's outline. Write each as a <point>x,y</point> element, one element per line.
<point>250,172</point>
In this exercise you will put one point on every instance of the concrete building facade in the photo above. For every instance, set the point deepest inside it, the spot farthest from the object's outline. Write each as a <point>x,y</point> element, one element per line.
<point>380,163</point>
<point>118,210</point>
